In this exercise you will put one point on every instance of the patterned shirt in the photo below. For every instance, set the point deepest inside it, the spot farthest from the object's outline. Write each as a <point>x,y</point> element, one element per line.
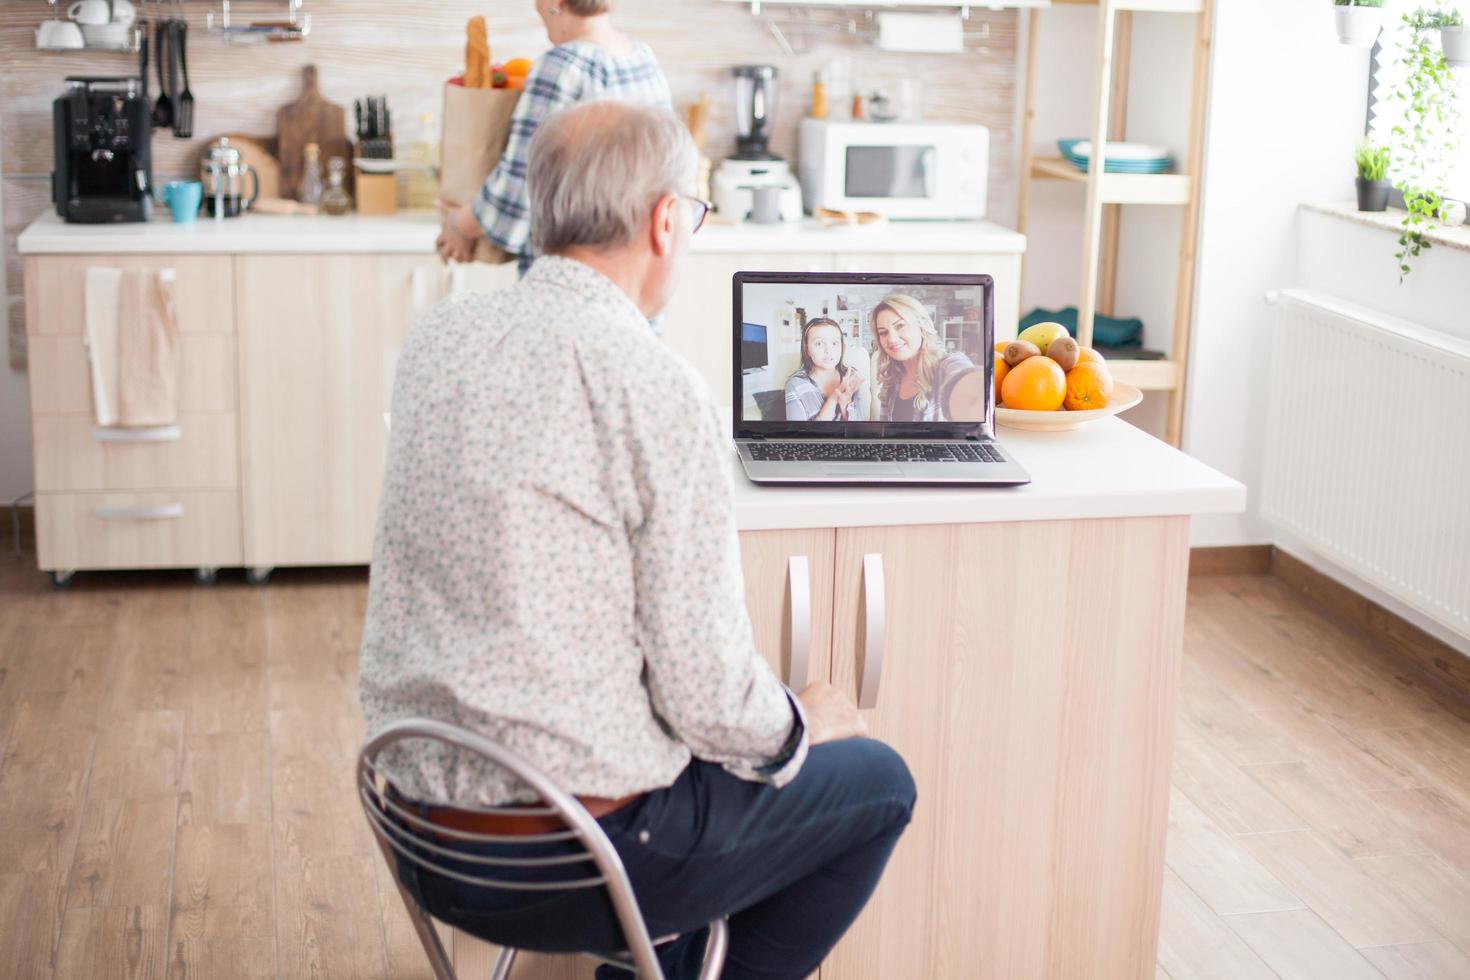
<point>804,399</point>
<point>565,75</point>
<point>556,564</point>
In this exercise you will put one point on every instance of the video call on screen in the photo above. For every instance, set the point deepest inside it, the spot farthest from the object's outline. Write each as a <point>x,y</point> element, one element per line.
<point>864,352</point>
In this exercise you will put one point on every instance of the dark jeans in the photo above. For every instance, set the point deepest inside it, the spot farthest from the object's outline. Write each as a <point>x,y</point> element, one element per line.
<point>791,867</point>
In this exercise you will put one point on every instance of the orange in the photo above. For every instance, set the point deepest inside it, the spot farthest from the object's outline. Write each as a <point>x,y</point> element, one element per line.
<point>516,83</point>
<point>1000,346</point>
<point>1037,384</point>
<point>1089,385</point>
<point>1001,369</point>
<point>1085,354</point>
<point>518,67</point>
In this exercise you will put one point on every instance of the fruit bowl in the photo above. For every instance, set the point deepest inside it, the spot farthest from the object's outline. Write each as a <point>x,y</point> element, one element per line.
<point>1124,398</point>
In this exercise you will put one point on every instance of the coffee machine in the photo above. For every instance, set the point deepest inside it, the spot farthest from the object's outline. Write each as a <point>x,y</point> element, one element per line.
<point>102,132</point>
<point>733,186</point>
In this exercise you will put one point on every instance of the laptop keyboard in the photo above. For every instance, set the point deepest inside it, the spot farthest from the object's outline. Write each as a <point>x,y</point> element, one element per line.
<point>876,452</point>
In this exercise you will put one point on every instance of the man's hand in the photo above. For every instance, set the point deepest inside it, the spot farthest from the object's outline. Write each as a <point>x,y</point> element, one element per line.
<point>830,714</point>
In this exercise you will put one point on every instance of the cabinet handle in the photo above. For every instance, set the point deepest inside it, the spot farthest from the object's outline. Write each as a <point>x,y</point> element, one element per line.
<point>162,512</point>
<point>799,591</point>
<point>418,285</point>
<point>875,623</point>
<point>157,433</point>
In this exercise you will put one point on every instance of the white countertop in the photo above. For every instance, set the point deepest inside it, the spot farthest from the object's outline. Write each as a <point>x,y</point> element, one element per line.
<point>1104,469</point>
<point>415,231</point>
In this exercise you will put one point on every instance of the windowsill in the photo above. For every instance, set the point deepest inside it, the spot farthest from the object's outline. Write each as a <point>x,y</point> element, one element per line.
<point>1457,237</point>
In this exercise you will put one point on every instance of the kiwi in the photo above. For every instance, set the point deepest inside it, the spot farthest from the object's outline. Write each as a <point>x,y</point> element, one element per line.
<point>1018,350</point>
<point>1064,351</point>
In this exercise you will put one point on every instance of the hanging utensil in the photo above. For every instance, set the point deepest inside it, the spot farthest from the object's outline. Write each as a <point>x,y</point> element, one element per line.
<point>173,69</point>
<point>184,124</point>
<point>163,112</point>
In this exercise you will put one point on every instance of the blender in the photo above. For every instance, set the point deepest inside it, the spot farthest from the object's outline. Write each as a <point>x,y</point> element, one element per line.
<point>755,184</point>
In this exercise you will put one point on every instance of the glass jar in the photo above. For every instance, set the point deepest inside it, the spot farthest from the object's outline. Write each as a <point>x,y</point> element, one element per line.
<point>335,199</point>
<point>311,176</point>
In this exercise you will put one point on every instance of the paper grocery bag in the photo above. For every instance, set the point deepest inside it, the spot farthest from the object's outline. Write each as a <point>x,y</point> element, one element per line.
<point>476,128</point>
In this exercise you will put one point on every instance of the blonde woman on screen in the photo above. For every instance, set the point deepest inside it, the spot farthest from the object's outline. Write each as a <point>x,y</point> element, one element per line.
<point>915,374</point>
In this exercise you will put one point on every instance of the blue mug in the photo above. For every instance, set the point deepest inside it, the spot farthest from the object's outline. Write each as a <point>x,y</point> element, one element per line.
<point>183,198</point>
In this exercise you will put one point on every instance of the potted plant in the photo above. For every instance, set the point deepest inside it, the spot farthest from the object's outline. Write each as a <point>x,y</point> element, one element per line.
<point>1358,21</point>
<point>1425,141</point>
<point>1373,183</point>
<point>1455,39</point>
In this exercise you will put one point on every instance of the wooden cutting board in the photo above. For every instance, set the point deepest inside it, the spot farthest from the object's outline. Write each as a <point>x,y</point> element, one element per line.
<point>310,119</point>
<point>254,152</point>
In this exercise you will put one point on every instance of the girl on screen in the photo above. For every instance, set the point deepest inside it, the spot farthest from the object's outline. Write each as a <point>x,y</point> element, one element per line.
<point>825,389</point>
<point>915,374</point>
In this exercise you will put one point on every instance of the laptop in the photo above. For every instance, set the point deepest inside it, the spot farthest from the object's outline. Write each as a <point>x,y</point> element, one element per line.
<point>858,378</point>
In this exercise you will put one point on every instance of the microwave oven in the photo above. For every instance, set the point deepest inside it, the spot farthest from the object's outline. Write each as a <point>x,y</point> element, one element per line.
<point>930,171</point>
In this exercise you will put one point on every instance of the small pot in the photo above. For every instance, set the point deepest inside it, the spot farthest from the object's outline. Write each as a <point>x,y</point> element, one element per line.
<point>1456,44</point>
<point>1373,194</point>
<point>1358,26</point>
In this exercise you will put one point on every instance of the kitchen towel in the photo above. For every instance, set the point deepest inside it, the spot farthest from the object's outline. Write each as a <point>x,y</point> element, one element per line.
<point>132,338</point>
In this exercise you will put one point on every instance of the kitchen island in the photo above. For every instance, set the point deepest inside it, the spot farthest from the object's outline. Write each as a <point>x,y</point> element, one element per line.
<point>1021,648</point>
<point>290,328</point>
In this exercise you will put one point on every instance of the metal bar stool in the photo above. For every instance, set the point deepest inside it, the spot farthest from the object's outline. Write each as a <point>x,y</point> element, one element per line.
<point>402,832</point>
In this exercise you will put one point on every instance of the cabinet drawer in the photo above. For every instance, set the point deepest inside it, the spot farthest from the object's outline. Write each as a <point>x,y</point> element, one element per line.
<point>204,297</point>
<point>156,529</point>
<point>61,378</point>
<point>72,454</point>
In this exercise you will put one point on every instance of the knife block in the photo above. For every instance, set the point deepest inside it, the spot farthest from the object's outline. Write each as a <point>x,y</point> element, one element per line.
<point>377,193</point>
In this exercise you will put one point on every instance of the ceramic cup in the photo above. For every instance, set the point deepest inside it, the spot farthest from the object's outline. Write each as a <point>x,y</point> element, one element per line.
<point>183,198</point>
<point>59,34</point>
<point>98,12</point>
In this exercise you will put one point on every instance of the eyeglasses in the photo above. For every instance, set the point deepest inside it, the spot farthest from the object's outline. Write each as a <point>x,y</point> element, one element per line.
<point>701,209</point>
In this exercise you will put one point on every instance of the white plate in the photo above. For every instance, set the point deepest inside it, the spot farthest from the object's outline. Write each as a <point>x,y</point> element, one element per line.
<point>1124,398</point>
<point>1124,151</point>
<point>371,165</point>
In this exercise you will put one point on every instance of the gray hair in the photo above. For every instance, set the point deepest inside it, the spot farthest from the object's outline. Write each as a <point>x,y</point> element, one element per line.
<point>596,170</point>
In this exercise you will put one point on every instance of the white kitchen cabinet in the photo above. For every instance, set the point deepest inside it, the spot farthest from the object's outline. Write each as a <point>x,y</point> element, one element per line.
<point>319,336</point>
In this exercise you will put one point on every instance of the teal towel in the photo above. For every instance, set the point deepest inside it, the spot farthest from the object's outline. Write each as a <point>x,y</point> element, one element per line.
<point>1107,331</point>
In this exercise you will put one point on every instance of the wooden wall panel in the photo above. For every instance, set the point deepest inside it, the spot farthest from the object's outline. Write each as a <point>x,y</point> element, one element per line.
<point>407,50</point>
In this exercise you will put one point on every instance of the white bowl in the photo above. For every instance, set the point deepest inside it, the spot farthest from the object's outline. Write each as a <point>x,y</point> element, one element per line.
<point>1124,398</point>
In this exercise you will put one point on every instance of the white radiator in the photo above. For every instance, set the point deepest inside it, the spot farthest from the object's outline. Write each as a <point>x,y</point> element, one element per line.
<point>1368,449</point>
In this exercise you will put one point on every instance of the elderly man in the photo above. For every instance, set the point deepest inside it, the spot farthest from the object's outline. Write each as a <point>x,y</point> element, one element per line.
<point>557,568</point>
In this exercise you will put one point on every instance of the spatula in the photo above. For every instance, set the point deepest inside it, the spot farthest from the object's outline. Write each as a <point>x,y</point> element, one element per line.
<point>184,123</point>
<point>163,112</point>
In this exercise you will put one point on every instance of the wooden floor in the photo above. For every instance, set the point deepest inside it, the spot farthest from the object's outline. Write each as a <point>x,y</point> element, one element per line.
<point>175,790</point>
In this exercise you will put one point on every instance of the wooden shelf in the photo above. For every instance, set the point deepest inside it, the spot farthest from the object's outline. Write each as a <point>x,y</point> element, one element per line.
<point>1145,375</point>
<point>1159,6</point>
<point>1120,188</point>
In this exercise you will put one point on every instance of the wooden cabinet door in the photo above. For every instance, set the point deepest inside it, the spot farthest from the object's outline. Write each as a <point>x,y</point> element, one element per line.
<point>774,593</point>
<point>318,339</point>
<point>1005,269</point>
<point>1028,679</point>
<point>788,592</point>
<point>698,320</point>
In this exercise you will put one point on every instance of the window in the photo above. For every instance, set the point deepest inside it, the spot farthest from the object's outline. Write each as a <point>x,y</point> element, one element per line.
<point>1386,73</point>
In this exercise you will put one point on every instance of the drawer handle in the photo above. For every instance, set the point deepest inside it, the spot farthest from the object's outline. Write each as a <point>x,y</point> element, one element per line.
<point>160,512</point>
<point>799,592</point>
<point>157,433</point>
<point>875,623</point>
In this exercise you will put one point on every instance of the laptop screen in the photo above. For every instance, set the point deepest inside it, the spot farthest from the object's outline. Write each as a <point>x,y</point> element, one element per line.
<point>863,355</point>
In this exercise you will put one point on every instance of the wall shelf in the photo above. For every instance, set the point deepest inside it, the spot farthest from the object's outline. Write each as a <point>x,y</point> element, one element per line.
<point>1101,215</point>
<point>962,6</point>
<point>1119,188</point>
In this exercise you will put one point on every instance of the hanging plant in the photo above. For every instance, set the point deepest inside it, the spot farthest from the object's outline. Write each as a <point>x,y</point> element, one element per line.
<point>1425,140</point>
